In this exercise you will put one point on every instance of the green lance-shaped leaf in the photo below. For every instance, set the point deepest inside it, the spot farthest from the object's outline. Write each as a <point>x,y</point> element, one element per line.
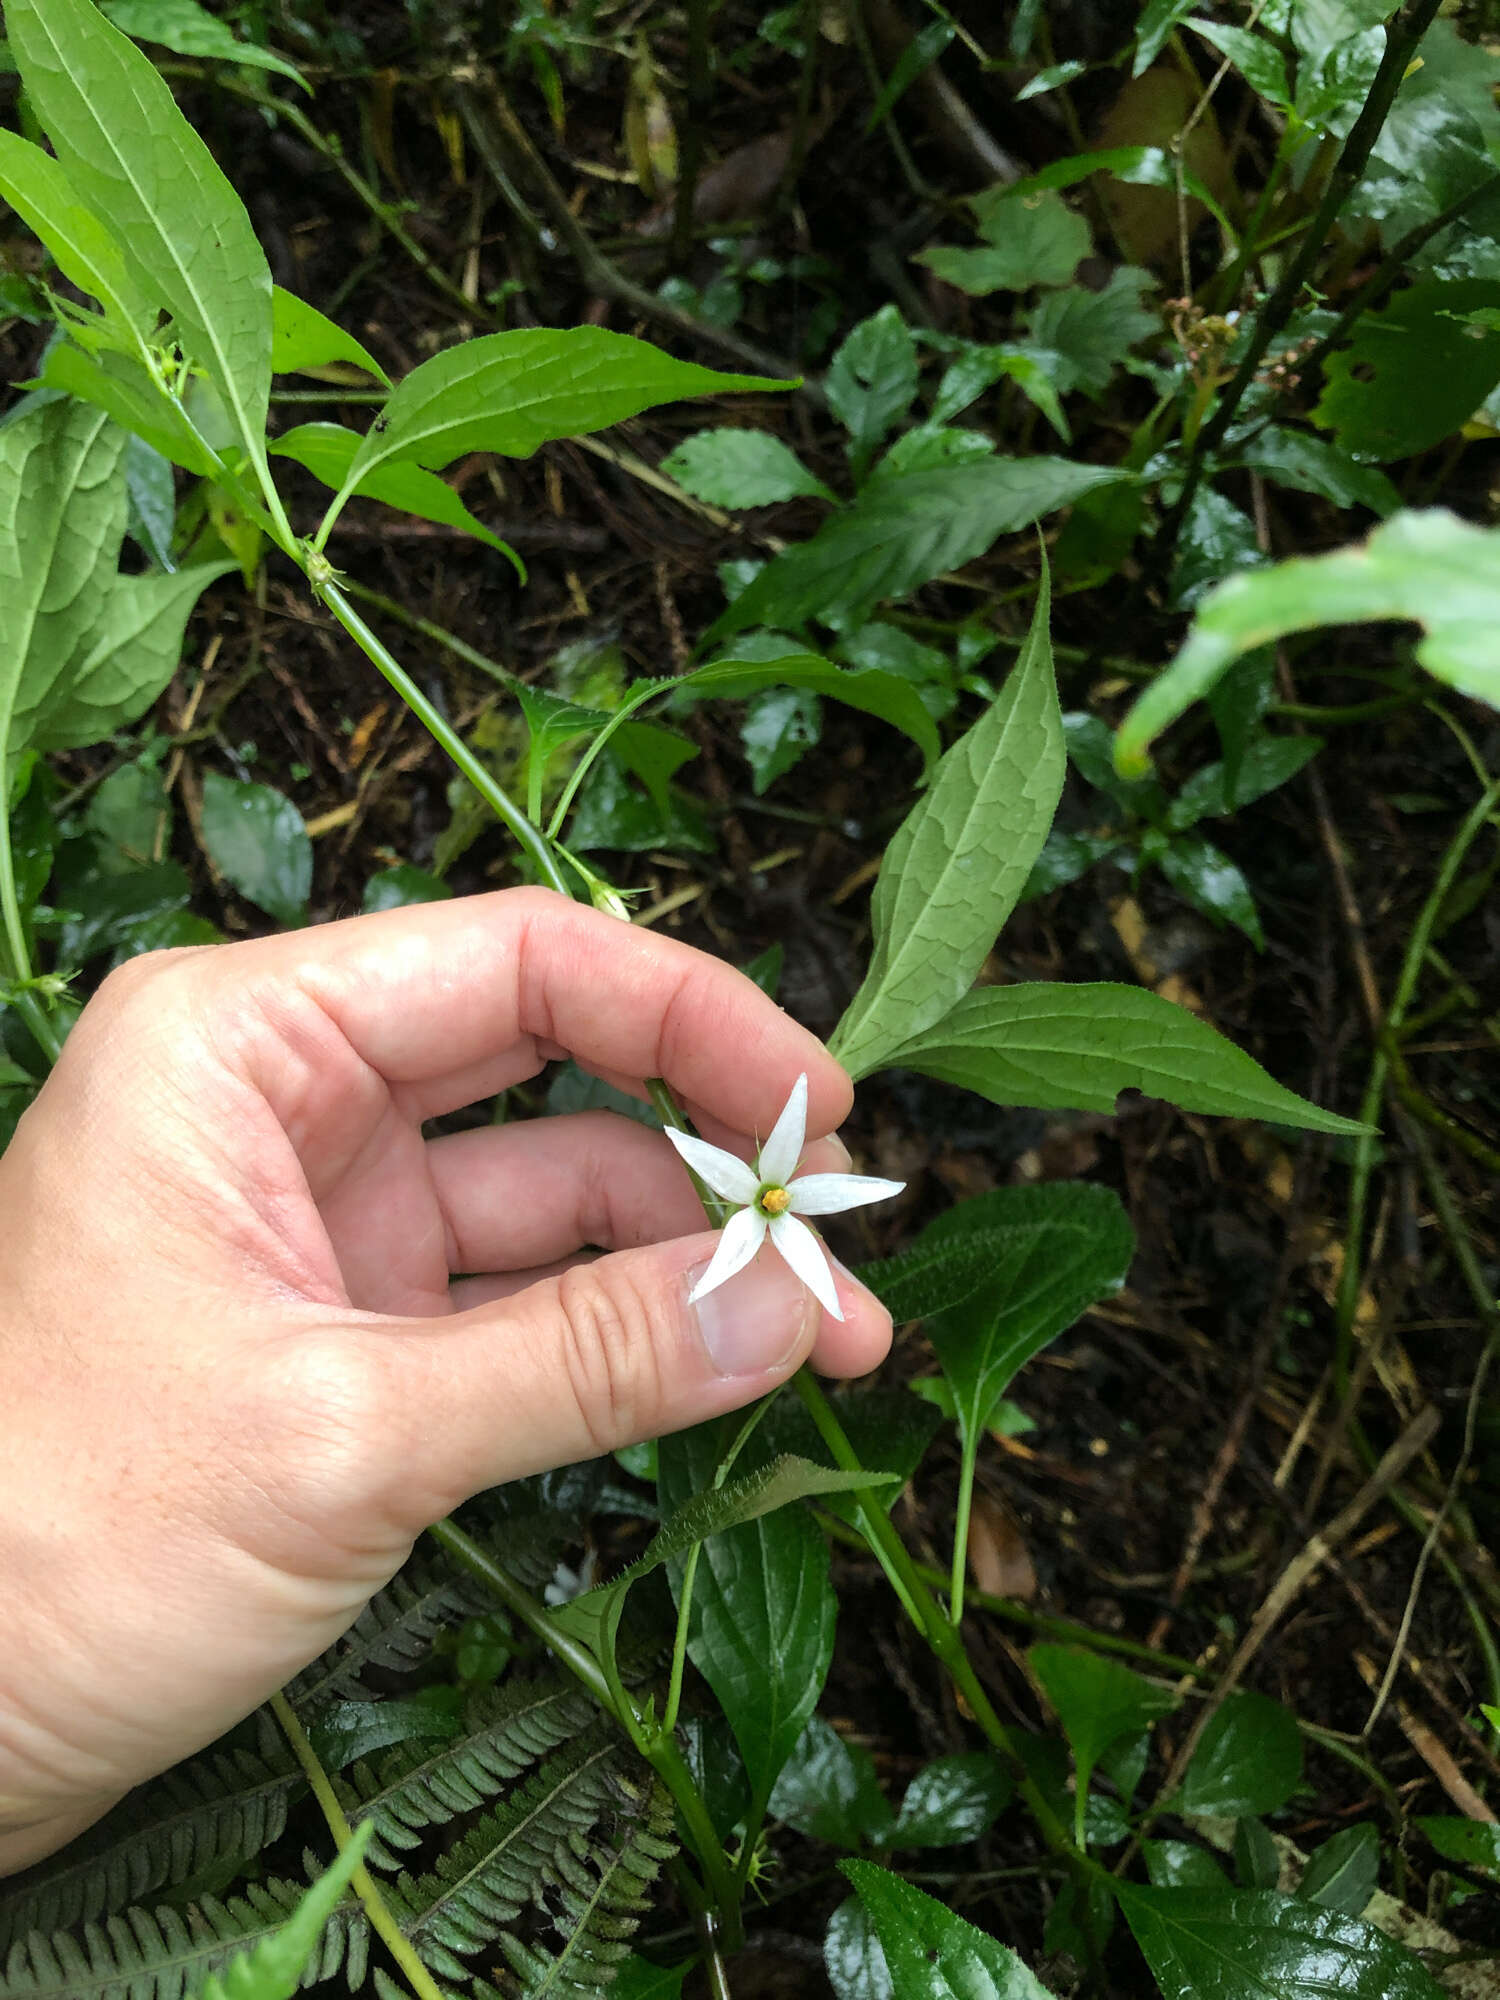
<point>1426,568</point>
<point>900,533</point>
<point>273,1971</point>
<point>143,171</point>
<point>1077,1047</point>
<point>328,450</point>
<point>1203,1944</point>
<point>1097,1702</point>
<point>303,339</point>
<point>124,390</point>
<point>511,392</point>
<point>595,1616</point>
<point>190,30</point>
<point>40,192</point>
<point>932,1953</point>
<point>869,689</point>
<point>763,1613</point>
<point>960,859</point>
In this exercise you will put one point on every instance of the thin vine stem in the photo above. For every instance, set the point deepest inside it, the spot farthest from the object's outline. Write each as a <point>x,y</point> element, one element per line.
<point>363,1883</point>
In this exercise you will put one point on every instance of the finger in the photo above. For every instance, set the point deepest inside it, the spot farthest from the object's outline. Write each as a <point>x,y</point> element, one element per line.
<point>516,1196</point>
<point>608,1353</point>
<point>449,1001</point>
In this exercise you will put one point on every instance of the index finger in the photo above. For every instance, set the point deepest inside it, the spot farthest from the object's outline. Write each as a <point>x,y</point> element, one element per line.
<point>450,1002</point>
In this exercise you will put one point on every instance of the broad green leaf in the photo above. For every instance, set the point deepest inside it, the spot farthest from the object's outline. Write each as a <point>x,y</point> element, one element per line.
<point>131,815</point>
<point>1204,876</point>
<point>83,650</point>
<point>345,1731</point>
<point>399,887</point>
<point>123,390</point>
<point>1218,540</point>
<point>596,1613</point>
<point>979,368</point>
<point>137,163</point>
<point>1428,568</point>
<point>1415,372</point>
<point>190,30</point>
<point>303,340</point>
<point>1076,1048</point>
<point>1342,1873</point>
<point>1310,464</point>
<point>925,447</point>
<point>512,392</point>
<point>780,726</point>
<point>1258,61</point>
<point>1137,166</point>
<point>900,534</point>
<point>42,195</point>
<point>932,1953</point>
<point>1178,1864</point>
<point>888,1427</point>
<point>612,812</point>
<point>1097,1701</point>
<point>1266,763</point>
<point>959,861</point>
<point>828,1790</point>
<point>1048,1252</point>
<point>1473,1843</point>
<point>734,468</point>
<point>952,1800</point>
<point>852,1956</point>
<point>121,914</point>
<point>1252,1944</point>
<point>871,381</point>
<point>256,839</point>
<point>1248,1760</point>
<point>1030,239</point>
<point>872,690</point>
<point>763,1612</point>
<point>1091,332</point>
<point>273,1970</point>
<point>638,1979</point>
<point>327,451</point>
<point>1157,20</point>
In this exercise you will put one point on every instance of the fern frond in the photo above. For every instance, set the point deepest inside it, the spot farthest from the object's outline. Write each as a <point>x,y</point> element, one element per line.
<point>395,1630</point>
<point>512,1855</point>
<point>203,1815</point>
<point>506,1729</point>
<point>598,1909</point>
<point>164,1954</point>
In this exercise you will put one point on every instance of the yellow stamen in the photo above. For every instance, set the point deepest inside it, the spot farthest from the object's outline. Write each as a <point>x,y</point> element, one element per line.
<point>775,1201</point>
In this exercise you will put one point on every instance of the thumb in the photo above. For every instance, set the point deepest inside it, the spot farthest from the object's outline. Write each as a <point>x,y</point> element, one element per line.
<point>604,1354</point>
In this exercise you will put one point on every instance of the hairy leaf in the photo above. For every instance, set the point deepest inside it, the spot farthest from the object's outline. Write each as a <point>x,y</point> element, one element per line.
<point>957,865</point>
<point>933,1953</point>
<point>901,533</point>
<point>1078,1047</point>
<point>134,159</point>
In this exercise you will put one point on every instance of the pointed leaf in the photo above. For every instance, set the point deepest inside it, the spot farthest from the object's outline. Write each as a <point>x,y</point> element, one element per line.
<point>256,838</point>
<point>957,865</point>
<point>932,1953</point>
<point>852,1956</point>
<point>138,164</point>
<point>903,532</point>
<point>1248,1760</point>
<point>303,339</point>
<point>734,468</point>
<point>512,392</point>
<point>40,192</point>
<point>1077,1047</point>
<point>952,1800</point>
<point>123,390</point>
<point>1342,1873</point>
<point>190,30</point>
<point>828,1790</point>
<point>1255,1945</point>
<point>870,689</point>
<point>1097,1702</point>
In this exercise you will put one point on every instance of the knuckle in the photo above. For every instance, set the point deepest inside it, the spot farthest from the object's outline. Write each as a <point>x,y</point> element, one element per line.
<point>611,1355</point>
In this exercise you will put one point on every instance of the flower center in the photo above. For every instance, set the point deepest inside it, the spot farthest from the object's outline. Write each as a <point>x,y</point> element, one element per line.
<point>773,1201</point>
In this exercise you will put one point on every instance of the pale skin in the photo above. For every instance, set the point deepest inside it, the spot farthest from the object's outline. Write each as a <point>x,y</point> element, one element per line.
<point>257,1332</point>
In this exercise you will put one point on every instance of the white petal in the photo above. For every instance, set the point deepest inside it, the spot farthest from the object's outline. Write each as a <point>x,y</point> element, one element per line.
<point>743,1235</point>
<point>726,1175</point>
<point>808,1259</point>
<point>826,1194</point>
<point>781,1152</point>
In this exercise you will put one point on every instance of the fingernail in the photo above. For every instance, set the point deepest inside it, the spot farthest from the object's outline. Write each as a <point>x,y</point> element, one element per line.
<point>757,1320</point>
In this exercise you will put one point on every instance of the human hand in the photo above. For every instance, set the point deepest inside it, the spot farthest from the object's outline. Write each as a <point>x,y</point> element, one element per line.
<point>238,1372</point>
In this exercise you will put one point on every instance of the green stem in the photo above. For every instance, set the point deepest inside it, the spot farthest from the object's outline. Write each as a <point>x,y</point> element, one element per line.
<point>968,1466</point>
<point>382,1922</point>
<point>528,837</point>
<point>623,713</point>
<point>660,1751</point>
<point>1402,41</point>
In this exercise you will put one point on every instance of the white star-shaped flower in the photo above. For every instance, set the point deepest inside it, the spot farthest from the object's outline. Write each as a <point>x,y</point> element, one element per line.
<point>769,1201</point>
